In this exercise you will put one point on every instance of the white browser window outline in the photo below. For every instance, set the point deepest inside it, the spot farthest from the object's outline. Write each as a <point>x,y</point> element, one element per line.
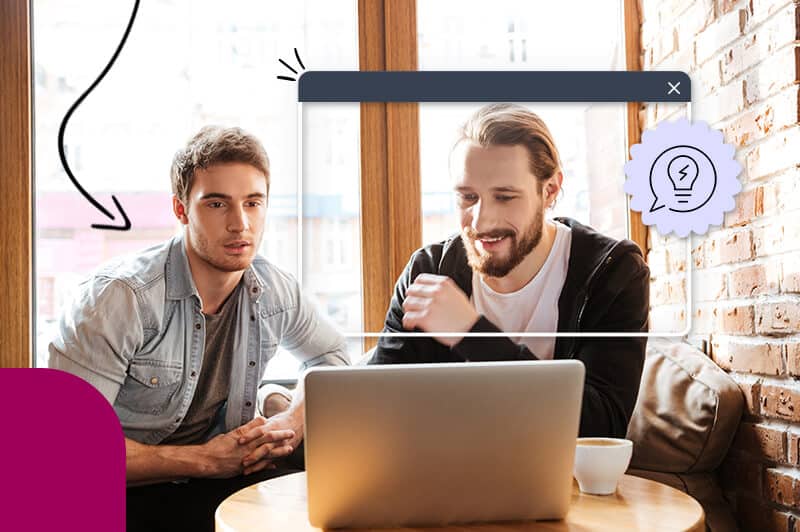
<point>678,82</point>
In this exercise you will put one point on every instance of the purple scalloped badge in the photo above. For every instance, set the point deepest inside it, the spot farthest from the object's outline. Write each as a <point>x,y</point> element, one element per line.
<point>682,177</point>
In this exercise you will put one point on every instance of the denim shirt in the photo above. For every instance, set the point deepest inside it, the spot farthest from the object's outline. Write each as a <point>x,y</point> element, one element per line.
<point>136,332</point>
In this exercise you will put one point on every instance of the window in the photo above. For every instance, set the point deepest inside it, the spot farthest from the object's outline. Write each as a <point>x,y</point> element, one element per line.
<point>590,137</point>
<point>186,64</point>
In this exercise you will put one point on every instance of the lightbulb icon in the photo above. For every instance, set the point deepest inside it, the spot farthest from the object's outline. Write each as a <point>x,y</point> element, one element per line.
<point>682,172</point>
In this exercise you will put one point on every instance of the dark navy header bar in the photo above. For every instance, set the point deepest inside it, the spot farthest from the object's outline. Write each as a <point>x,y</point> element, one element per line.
<point>494,86</point>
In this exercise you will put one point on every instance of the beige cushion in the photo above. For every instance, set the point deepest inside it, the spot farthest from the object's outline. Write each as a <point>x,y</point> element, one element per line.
<point>687,411</point>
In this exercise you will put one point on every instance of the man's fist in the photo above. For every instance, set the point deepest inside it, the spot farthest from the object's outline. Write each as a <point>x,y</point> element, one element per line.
<point>434,303</point>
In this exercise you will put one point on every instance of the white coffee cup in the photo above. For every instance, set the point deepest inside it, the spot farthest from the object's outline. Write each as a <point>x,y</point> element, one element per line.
<point>600,463</point>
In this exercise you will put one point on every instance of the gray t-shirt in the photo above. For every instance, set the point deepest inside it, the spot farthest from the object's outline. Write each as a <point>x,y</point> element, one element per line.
<point>213,383</point>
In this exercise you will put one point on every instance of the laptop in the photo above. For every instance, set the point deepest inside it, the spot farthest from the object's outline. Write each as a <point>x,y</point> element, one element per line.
<point>436,444</point>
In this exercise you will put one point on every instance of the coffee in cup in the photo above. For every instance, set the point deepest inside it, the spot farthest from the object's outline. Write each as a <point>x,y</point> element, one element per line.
<point>600,463</point>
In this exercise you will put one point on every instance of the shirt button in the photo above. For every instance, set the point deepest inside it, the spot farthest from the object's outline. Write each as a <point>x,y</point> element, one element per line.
<point>154,380</point>
<point>255,290</point>
<point>197,326</point>
<point>194,374</point>
<point>178,420</point>
<point>248,404</point>
<point>252,363</point>
<point>252,318</point>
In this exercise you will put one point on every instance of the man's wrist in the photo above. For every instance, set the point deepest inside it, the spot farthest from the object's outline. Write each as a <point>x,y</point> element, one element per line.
<point>191,460</point>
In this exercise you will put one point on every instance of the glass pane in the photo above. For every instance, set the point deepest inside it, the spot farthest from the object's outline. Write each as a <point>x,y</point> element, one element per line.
<point>520,35</point>
<point>331,214</point>
<point>186,64</point>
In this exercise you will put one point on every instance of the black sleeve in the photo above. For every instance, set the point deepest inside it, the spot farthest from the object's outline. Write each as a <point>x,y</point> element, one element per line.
<point>614,365</point>
<point>393,350</point>
<point>492,348</point>
<point>619,302</point>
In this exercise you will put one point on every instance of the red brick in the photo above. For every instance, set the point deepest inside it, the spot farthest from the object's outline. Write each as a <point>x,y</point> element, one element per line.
<point>780,402</point>
<point>659,292</point>
<point>777,153</point>
<point>726,6</point>
<point>727,100</point>
<point>657,261</point>
<point>761,358</point>
<point>735,320</point>
<point>760,10</point>
<point>667,319</point>
<point>709,286</point>
<point>790,274</point>
<point>772,198</point>
<point>771,116</point>
<point>669,291</point>
<point>699,254</point>
<point>793,447</point>
<point>723,31</point>
<point>749,205</point>
<point>704,319</point>
<point>775,73</point>
<point>752,396</point>
<point>729,248</point>
<point>676,258</point>
<point>793,358</point>
<point>669,10</point>
<point>665,44</point>
<point>789,187</point>
<point>777,318</point>
<point>694,19</point>
<point>767,240</point>
<point>707,78</point>
<point>764,41</point>
<point>761,441</point>
<point>782,487</point>
<point>791,231</point>
<point>755,280</point>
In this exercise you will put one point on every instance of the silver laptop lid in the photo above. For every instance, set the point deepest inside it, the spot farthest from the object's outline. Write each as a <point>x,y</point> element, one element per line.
<point>441,443</point>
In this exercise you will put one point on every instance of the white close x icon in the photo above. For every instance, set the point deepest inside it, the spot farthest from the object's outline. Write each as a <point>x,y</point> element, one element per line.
<point>673,88</point>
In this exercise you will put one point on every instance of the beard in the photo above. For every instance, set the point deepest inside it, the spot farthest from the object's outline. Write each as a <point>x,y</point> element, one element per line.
<point>494,266</point>
<point>219,260</point>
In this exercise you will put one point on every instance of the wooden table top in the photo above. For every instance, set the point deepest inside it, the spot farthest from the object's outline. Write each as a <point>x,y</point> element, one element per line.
<point>638,504</point>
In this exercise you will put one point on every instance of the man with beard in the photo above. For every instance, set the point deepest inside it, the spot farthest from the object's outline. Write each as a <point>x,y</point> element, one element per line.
<point>177,338</point>
<point>511,269</point>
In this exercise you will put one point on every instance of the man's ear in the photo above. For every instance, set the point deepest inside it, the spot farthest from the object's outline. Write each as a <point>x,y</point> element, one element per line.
<point>551,189</point>
<point>180,210</point>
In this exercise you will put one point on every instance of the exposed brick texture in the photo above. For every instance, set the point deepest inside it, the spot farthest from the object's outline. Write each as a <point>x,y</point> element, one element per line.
<point>744,60</point>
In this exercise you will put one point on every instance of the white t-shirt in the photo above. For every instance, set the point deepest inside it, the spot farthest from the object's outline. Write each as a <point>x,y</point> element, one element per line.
<point>534,307</point>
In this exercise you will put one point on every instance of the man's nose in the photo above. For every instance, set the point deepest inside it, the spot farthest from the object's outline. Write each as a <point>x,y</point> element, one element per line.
<point>482,217</point>
<point>238,221</point>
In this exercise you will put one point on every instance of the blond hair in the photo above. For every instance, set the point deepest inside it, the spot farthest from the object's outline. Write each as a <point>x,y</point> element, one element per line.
<point>213,145</point>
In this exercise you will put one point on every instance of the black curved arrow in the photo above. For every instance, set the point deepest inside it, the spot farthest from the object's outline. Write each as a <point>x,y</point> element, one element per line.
<point>127,223</point>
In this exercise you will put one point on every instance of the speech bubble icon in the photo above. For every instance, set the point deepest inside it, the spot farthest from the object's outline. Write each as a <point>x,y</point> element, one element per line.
<point>682,179</point>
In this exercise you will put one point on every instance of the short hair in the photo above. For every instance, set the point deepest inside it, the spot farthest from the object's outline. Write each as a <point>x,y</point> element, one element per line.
<point>504,124</point>
<point>213,145</point>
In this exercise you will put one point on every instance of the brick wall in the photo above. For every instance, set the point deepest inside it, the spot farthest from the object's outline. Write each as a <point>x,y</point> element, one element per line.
<point>744,61</point>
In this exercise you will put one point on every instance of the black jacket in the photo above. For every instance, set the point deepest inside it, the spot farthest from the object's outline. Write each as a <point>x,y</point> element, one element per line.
<point>606,289</point>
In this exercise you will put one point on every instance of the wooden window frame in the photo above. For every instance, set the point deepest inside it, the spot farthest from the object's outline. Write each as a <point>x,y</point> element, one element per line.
<point>391,221</point>
<point>633,61</point>
<point>16,237</point>
<point>391,198</point>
